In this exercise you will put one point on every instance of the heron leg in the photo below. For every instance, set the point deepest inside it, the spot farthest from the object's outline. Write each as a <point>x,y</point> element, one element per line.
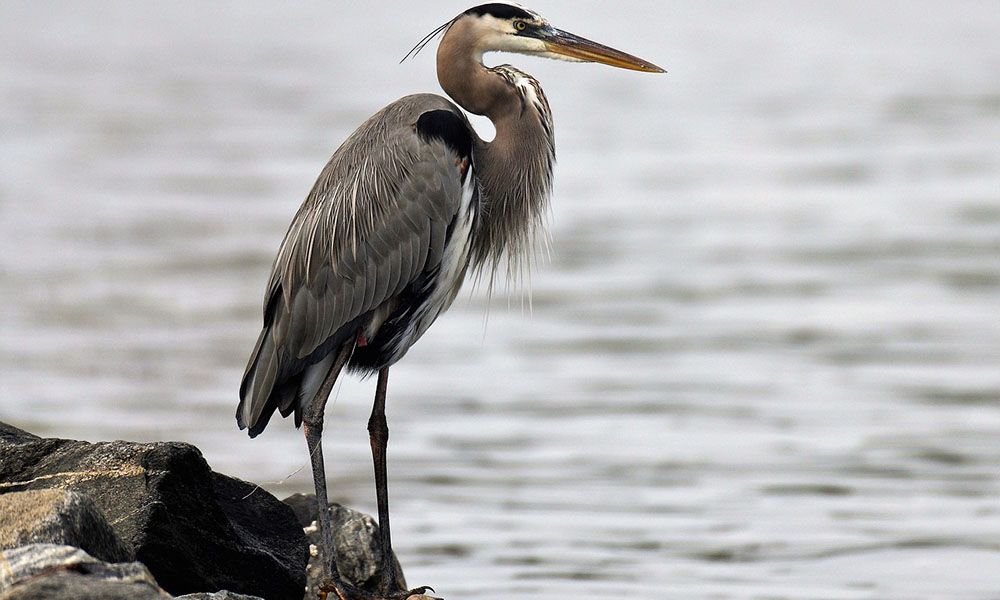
<point>312,426</point>
<point>378,435</point>
<point>378,431</point>
<point>389,586</point>
<point>314,435</point>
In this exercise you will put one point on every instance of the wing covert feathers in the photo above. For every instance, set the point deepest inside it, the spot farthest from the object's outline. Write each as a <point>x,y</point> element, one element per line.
<point>376,218</point>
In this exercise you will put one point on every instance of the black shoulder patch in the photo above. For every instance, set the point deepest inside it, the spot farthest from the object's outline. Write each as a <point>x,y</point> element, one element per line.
<point>447,127</point>
<point>500,11</point>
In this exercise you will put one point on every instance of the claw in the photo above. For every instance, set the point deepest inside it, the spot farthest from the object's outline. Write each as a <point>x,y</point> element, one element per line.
<point>326,587</point>
<point>417,591</point>
<point>329,586</point>
<point>348,592</point>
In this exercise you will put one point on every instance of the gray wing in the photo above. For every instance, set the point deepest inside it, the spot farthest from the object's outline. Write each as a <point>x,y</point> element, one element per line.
<point>376,218</point>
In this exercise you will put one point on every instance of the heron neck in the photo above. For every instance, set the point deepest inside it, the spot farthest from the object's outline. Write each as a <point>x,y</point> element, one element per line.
<point>462,76</point>
<point>515,177</point>
<point>515,169</point>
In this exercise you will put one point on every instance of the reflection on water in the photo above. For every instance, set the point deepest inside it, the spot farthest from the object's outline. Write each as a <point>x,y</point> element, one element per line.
<point>763,361</point>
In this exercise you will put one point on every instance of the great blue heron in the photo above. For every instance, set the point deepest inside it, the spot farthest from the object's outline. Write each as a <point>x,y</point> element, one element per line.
<point>382,243</point>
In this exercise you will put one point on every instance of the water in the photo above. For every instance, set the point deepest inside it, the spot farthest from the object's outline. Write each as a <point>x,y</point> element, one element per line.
<point>763,362</point>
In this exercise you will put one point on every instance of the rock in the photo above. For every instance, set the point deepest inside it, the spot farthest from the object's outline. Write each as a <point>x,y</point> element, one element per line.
<point>355,536</point>
<point>52,571</point>
<point>194,529</point>
<point>304,508</point>
<point>12,435</point>
<point>57,517</point>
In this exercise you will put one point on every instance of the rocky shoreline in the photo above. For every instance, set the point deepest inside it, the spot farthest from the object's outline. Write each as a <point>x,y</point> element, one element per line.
<point>111,520</point>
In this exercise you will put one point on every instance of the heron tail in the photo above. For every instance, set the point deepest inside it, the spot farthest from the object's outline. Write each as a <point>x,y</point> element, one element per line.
<point>256,390</point>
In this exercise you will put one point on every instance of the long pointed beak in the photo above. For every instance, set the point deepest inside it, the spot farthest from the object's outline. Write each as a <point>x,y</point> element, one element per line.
<point>577,48</point>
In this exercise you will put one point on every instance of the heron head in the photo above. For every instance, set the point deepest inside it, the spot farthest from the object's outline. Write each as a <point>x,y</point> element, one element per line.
<point>510,27</point>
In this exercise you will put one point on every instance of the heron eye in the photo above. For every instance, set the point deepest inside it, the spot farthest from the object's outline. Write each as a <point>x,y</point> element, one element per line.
<point>520,25</point>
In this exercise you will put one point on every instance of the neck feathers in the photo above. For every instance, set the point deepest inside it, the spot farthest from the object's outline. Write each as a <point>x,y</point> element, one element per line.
<point>515,172</point>
<point>515,169</point>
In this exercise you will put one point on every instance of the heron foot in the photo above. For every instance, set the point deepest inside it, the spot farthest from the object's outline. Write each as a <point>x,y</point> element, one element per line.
<point>340,590</point>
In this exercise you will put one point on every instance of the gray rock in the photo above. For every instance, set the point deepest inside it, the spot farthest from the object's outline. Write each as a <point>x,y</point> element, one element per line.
<point>57,517</point>
<point>51,571</point>
<point>12,435</point>
<point>359,552</point>
<point>196,530</point>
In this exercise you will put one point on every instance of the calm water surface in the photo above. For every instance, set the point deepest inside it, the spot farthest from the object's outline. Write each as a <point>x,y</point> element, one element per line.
<point>763,361</point>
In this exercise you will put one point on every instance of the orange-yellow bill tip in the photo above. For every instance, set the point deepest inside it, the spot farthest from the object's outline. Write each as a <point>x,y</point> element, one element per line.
<point>575,47</point>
